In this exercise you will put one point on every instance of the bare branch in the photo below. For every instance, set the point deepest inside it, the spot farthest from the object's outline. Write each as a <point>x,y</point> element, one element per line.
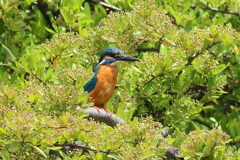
<point>172,153</point>
<point>215,10</point>
<point>147,49</point>
<point>154,77</point>
<point>114,8</point>
<point>84,147</point>
<point>103,116</point>
<point>109,6</point>
<point>213,44</point>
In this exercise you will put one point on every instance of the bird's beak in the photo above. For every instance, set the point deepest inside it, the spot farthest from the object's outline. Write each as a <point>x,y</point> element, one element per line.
<point>126,58</point>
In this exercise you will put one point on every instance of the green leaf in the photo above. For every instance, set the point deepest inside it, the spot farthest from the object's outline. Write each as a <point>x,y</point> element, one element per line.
<point>87,10</point>
<point>173,12</point>
<point>3,132</point>
<point>50,30</point>
<point>219,69</point>
<point>186,6</point>
<point>40,151</point>
<point>55,148</point>
<point>165,51</point>
<point>11,56</point>
<point>114,157</point>
<point>64,155</point>
<point>15,146</point>
<point>147,155</point>
<point>48,75</point>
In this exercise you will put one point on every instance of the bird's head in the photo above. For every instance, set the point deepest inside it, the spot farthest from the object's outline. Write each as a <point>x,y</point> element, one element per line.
<point>112,56</point>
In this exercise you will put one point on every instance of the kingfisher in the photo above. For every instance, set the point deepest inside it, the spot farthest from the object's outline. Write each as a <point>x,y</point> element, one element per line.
<point>101,86</point>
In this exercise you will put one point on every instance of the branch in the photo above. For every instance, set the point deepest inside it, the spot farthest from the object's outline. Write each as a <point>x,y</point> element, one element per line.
<point>78,145</point>
<point>172,153</point>
<point>213,44</point>
<point>190,59</point>
<point>104,5</point>
<point>103,116</point>
<point>215,9</point>
<point>109,6</point>
<point>153,77</point>
<point>147,49</point>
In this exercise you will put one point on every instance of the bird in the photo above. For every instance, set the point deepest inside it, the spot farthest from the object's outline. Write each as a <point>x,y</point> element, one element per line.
<point>101,86</point>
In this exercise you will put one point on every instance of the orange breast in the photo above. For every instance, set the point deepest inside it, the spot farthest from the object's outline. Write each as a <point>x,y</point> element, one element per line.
<point>106,81</point>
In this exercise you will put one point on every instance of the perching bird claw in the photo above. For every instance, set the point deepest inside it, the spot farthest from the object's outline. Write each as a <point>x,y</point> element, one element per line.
<point>95,108</point>
<point>105,109</point>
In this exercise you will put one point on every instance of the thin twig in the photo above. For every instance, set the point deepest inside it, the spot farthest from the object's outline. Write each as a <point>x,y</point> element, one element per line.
<point>82,146</point>
<point>57,127</point>
<point>213,44</point>
<point>216,10</point>
<point>154,77</point>
<point>114,8</point>
<point>147,49</point>
<point>38,78</point>
<point>109,6</point>
<point>63,127</point>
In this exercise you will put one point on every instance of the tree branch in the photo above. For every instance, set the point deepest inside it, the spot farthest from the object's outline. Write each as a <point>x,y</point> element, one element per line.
<point>104,5</point>
<point>153,77</point>
<point>172,153</point>
<point>103,116</point>
<point>78,145</point>
<point>109,6</point>
<point>213,44</point>
<point>215,9</point>
<point>147,49</point>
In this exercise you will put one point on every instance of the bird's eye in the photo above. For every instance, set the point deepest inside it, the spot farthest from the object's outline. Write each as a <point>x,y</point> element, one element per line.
<point>117,55</point>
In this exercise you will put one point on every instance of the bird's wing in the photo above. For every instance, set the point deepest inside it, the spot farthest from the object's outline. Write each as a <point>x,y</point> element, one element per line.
<point>90,85</point>
<point>95,70</point>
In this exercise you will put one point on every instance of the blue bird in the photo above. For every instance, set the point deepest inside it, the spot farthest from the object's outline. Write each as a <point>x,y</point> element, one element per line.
<point>101,87</point>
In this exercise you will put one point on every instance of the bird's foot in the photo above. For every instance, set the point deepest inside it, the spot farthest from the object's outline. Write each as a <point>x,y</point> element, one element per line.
<point>95,108</point>
<point>105,109</point>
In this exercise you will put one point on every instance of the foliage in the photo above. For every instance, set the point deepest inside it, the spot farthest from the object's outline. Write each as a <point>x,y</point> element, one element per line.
<point>187,78</point>
<point>207,144</point>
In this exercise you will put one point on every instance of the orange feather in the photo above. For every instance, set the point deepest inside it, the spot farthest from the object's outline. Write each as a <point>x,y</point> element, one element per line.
<point>106,81</point>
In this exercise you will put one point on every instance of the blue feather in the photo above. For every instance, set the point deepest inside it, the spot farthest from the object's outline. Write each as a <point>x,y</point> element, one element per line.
<point>90,85</point>
<point>109,52</point>
<point>108,61</point>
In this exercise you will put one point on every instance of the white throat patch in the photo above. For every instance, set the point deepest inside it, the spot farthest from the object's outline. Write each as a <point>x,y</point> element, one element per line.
<point>111,64</point>
<point>115,63</point>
